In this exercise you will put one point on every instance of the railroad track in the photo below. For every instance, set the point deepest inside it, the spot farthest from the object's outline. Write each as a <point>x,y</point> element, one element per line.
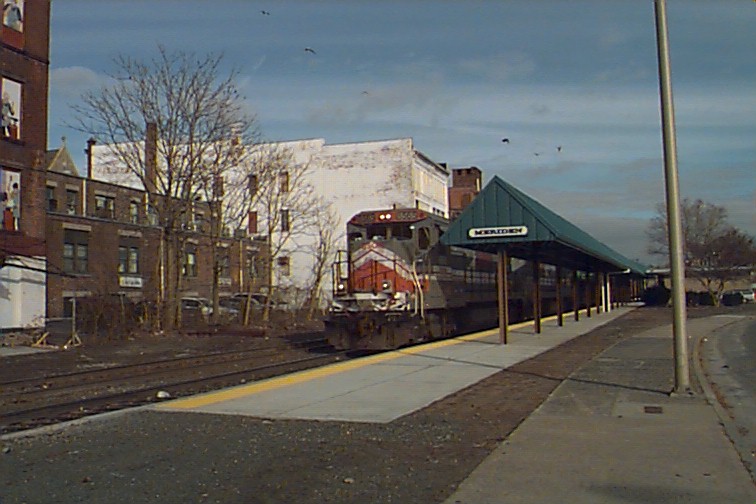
<point>25,404</point>
<point>63,380</point>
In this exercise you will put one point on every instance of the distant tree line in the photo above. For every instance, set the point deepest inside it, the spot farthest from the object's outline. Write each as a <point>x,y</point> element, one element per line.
<point>715,253</point>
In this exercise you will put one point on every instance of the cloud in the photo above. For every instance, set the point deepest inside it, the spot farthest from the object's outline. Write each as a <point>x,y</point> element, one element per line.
<point>409,103</point>
<point>499,68</point>
<point>259,63</point>
<point>627,72</point>
<point>71,82</point>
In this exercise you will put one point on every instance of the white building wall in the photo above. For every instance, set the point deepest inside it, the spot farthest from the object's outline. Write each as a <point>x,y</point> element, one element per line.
<point>429,185</point>
<point>22,293</point>
<point>354,177</point>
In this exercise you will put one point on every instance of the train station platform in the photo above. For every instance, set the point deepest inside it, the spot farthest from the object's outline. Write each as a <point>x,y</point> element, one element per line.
<point>387,386</point>
<point>612,434</point>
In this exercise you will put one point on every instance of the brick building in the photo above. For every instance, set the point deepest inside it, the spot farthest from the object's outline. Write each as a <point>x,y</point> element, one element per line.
<point>349,178</point>
<point>102,241</point>
<point>466,184</point>
<point>24,51</point>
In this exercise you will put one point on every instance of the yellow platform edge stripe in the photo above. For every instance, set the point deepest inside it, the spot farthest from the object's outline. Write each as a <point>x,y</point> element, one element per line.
<point>199,400</point>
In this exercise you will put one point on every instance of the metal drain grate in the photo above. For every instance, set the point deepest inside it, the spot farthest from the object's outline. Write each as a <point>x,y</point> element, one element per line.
<point>653,410</point>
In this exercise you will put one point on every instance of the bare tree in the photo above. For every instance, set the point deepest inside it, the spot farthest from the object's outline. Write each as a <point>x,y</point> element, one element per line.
<point>287,209</point>
<point>714,252</point>
<point>200,128</point>
<point>322,251</point>
<point>222,162</point>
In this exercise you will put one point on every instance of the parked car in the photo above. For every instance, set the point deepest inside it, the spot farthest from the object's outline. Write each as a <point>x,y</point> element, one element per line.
<point>732,298</point>
<point>198,305</point>
<point>231,305</point>
<point>260,300</point>
<point>748,295</point>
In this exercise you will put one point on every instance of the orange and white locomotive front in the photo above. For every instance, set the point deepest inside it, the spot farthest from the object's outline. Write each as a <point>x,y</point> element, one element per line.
<point>382,254</point>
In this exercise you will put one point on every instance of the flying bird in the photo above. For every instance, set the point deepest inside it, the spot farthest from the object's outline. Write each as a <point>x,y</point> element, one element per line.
<point>265,13</point>
<point>505,140</point>
<point>559,148</point>
<point>536,153</point>
<point>310,50</point>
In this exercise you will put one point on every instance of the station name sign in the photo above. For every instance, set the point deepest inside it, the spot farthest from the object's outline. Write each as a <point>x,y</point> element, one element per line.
<point>497,232</point>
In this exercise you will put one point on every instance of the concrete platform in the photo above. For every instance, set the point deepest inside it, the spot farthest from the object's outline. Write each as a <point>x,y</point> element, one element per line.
<point>612,433</point>
<point>387,386</point>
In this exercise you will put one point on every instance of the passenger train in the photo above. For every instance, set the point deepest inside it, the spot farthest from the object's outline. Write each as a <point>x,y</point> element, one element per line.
<point>397,284</point>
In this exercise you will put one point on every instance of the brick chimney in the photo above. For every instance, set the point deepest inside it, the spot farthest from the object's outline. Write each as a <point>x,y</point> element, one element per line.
<point>150,157</point>
<point>90,144</point>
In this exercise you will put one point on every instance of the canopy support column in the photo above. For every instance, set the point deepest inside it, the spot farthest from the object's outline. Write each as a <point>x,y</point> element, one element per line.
<point>608,292</point>
<point>537,296</point>
<point>598,291</point>
<point>588,295</point>
<point>502,282</point>
<point>575,300</point>
<point>559,307</point>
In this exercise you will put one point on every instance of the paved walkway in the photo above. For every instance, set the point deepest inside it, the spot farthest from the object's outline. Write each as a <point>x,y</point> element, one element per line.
<point>374,389</point>
<point>612,434</point>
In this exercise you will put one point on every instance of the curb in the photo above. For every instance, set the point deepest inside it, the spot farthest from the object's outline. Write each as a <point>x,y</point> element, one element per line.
<point>727,423</point>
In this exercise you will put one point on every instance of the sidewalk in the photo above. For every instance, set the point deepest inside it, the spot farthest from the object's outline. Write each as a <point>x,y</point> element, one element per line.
<point>612,434</point>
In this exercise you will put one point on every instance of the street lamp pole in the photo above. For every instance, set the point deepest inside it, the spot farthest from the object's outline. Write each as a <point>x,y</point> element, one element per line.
<point>677,268</point>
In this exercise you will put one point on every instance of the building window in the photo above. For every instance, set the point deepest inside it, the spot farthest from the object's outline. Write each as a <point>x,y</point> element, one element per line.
<point>284,182</point>
<point>123,259</point>
<point>52,203</point>
<point>252,184</point>
<point>13,23</point>
<point>134,212</point>
<point>10,120</point>
<point>285,224</point>
<point>224,264</point>
<point>104,206</point>
<point>190,263</point>
<point>252,223</point>
<point>10,187</point>
<point>72,202</point>
<point>76,251</point>
<point>152,215</point>
<point>218,190</point>
<point>199,222</point>
<point>253,266</point>
<point>128,260</point>
<point>284,265</point>
<point>133,260</point>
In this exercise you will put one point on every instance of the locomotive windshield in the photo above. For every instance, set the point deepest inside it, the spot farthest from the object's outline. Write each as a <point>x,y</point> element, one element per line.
<point>388,231</point>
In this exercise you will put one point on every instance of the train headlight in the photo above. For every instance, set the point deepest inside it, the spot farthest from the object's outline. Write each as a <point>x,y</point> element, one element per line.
<point>340,287</point>
<point>386,285</point>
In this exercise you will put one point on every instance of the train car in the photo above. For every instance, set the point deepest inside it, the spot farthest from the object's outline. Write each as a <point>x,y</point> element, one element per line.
<point>397,284</point>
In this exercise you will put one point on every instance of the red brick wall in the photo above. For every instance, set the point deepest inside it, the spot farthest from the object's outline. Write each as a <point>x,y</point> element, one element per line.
<point>28,65</point>
<point>105,236</point>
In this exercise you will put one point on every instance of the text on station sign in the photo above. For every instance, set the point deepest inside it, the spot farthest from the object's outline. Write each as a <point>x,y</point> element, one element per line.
<point>495,232</point>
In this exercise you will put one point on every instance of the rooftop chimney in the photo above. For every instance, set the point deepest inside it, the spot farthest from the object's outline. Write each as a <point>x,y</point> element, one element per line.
<point>150,157</point>
<point>90,143</point>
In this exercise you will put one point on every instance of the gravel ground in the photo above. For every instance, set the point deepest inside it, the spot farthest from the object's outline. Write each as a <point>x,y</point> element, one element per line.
<point>169,457</point>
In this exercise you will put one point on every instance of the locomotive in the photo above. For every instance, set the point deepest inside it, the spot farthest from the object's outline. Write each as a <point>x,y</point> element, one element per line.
<point>397,284</point>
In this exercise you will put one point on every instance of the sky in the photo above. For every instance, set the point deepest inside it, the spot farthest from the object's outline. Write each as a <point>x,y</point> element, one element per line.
<point>572,84</point>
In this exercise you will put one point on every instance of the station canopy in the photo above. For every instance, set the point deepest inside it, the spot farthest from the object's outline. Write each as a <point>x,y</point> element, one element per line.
<point>503,218</point>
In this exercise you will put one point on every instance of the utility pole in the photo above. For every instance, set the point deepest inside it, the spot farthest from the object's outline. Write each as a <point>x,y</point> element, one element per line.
<point>674,225</point>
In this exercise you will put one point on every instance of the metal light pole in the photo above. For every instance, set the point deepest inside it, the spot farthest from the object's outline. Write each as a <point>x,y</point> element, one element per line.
<point>677,267</point>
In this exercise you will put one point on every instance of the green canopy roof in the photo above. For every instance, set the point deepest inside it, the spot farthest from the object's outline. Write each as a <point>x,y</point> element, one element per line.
<point>502,217</point>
